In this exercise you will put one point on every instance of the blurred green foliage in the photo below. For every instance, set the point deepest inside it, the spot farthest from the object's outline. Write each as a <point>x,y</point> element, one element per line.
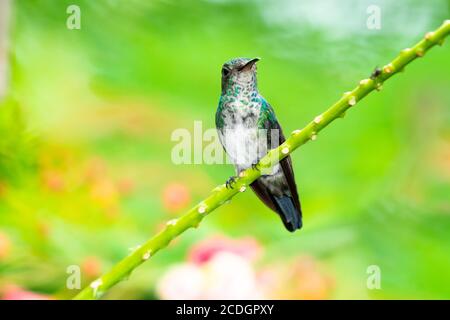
<point>85,139</point>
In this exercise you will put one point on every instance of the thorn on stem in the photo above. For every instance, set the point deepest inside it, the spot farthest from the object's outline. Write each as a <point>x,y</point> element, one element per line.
<point>96,284</point>
<point>352,101</point>
<point>388,68</point>
<point>429,35</point>
<point>364,82</point>
<point>405,51</point>
<point>146,255</point>
<point>202,209</point>
<point>318,119</point>
<point>172,222</point>
<point>132,249</point>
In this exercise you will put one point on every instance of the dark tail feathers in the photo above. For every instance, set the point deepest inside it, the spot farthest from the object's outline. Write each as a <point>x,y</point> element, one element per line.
<point>291,217</point>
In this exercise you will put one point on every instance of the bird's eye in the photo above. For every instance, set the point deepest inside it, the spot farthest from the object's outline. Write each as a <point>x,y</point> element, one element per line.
<point>225,72</point>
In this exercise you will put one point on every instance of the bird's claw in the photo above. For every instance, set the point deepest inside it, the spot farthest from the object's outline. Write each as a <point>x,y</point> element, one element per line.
<point>231,180</point>
<point>375,73</point>
<point>255,166</point>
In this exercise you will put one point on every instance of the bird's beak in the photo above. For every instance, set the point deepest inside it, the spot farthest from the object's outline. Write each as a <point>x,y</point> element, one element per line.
<point>249,64</point>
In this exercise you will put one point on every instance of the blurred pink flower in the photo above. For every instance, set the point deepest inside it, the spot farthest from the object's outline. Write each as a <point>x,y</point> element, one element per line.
<point>217,268</point>
<point>225,276</point>
<point>202,252</point>
<point>13,292</point>
<point>182,282</point>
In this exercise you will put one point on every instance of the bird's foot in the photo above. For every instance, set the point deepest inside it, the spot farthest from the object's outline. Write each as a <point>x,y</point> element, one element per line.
<point>255,166</point>
<point>231,180</point>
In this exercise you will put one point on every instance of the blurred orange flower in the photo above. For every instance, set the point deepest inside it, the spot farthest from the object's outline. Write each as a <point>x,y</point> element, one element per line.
<point>53,180</point>
<point>2,188</point>
<point>96,169</point>
<point>175,196</point>
<point>302,279</point>
<point>105,192</point>
<point>43,229</point>
<point>125,186</point>
<point>5,246</point>
<point>91,267</point>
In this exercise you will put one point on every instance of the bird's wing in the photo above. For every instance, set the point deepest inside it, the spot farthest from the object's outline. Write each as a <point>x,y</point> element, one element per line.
<point>286,165</point>
<point>269,122</point>
<point>219,123</point>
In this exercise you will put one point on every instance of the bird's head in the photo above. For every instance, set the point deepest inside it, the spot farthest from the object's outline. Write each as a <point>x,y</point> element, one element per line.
<point>239,71</point>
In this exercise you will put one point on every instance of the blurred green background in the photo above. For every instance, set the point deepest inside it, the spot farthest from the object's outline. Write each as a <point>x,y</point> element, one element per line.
<point>85,148</point>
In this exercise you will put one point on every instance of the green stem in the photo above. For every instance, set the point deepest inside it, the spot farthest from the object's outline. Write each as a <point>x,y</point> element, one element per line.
<point>299,137</point>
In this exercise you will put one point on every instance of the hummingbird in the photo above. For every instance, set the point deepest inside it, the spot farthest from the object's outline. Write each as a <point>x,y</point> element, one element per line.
<point>248,129</point>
